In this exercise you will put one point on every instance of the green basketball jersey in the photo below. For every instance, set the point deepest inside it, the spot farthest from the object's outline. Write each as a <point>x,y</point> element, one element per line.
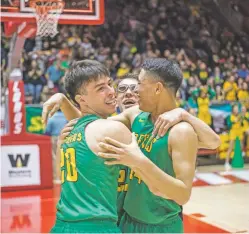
<point>140,203</point>
<point>89,187</point>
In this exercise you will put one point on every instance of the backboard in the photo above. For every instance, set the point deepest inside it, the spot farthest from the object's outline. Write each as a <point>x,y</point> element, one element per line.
<point>89,12</point>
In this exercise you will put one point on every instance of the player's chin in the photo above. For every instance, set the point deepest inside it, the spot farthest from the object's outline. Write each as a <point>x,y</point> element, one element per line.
<point>142,107</point>
<point>129,105</point>
<point>140,104</point>
<point>110,108</point>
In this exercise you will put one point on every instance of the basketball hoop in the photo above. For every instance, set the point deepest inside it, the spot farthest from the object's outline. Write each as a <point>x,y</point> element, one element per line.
<point>47,15</point>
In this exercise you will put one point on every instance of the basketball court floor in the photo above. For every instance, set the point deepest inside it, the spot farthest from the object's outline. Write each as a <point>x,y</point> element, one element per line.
<point>218,204</point>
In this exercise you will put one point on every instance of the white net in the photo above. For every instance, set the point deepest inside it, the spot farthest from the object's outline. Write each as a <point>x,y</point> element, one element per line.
<point>47,16</point>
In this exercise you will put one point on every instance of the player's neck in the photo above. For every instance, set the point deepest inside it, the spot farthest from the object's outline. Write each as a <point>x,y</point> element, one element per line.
<point>164,104</point>
<point>88,111</point>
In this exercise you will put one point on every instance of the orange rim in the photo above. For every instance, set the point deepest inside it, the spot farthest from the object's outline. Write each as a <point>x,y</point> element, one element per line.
<point>43,9</point>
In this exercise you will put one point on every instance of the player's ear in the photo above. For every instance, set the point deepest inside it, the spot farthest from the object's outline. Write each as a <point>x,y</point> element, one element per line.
<point>159,87</point>
<point>80,99</point>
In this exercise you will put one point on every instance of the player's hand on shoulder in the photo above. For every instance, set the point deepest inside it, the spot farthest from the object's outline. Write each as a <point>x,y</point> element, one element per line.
<point>51,106</point>
<point>167,120</point>
<point>66,130</point>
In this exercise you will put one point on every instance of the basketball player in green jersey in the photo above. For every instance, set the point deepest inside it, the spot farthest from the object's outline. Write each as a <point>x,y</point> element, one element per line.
<point>89,187</point>
<point>207,138</point>
<point>162,168</point>
<point>126,98</point>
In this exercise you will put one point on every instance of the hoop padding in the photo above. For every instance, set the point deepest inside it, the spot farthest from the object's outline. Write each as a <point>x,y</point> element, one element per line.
<point>47,13</point>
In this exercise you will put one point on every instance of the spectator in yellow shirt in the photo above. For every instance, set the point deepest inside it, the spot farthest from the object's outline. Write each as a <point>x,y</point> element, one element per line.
<point>202,73</point>
<point>243,95</point>
<point>219,94</point>
<point>203,102</point>
<point>124,69</point>
<point>230,88</point>
<point>245,124</point>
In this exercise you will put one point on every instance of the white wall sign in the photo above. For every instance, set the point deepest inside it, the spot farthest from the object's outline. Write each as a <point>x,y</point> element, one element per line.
<point>20,165</point>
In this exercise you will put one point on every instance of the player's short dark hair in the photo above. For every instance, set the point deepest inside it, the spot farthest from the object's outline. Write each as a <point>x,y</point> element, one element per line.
<point>81,73</point>
<point>129,76</point>
<point>165,70</point>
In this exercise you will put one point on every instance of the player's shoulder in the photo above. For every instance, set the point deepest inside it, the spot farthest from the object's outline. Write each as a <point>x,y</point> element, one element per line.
<point>97,130</point>
<point>181,131</point>
<point>106,123</point>
<point>182,127</point>
<point>108,127</point>
<point>102,128</point>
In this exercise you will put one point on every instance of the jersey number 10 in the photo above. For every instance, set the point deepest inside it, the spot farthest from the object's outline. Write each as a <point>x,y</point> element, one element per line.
<point>70,168</point>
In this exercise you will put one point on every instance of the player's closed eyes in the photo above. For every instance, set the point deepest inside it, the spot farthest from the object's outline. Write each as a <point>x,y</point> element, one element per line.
<point>101,88</point>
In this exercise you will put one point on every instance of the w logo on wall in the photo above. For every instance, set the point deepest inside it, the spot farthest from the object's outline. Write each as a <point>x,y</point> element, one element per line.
<point>20,165</point>
<point>19,161</point>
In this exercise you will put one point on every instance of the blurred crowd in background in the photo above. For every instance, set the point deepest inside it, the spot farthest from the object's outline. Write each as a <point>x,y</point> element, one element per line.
<point>214,63</point>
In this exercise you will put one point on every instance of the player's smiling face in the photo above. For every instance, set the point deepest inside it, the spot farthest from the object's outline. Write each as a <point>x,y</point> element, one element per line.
<point>146,91</point>
<point>127,93</point>
<point>99,97</point>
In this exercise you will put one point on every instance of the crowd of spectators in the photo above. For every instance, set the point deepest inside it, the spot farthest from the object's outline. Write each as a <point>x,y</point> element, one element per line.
<point>211,56</point>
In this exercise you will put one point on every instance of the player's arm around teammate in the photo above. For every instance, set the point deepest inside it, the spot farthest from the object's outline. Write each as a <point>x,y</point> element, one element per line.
<point>207,138</point>
<point>56,102</point>
<point>183,145</point>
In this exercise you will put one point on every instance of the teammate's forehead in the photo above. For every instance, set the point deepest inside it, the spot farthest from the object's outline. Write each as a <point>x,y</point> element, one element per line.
<point>128,81</point>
